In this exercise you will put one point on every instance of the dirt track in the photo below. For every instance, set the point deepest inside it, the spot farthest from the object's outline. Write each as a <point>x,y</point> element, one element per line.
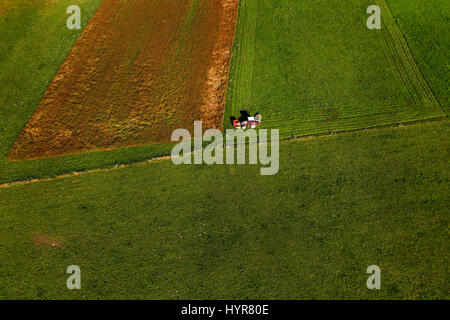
<point>140,70</point>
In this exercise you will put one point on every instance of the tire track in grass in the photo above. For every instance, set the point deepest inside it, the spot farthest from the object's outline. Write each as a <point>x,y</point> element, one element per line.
<point>421,104</point>
<point>398,50</point>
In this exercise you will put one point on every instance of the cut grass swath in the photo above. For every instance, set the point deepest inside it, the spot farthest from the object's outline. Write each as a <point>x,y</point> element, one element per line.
<point>401,55</point>
<point>294,62</point>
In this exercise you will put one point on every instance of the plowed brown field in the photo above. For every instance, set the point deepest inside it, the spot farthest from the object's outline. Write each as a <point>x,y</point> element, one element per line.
<point>139,70</point>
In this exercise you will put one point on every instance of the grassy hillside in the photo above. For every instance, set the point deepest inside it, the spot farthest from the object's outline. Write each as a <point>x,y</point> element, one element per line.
<point>339,204</point>
<point>425,25</point>
<point>313,67</point>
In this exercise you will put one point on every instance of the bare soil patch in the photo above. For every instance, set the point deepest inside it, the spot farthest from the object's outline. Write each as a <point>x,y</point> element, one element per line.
<point>44,240</point>
<point>140,70</point>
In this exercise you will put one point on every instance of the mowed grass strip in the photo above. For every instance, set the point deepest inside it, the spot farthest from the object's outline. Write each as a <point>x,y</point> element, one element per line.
<point>313,67</point>
<point>159,231</point>
<point>242,61</point>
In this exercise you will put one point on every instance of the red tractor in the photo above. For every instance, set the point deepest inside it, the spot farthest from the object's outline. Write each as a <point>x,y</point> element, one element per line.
<point>245,122</point>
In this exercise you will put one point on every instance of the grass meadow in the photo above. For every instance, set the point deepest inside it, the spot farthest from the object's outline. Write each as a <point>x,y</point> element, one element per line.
<point>338,204</point>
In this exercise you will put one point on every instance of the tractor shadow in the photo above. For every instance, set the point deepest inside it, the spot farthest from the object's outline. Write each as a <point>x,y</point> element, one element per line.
<point>244,116</point>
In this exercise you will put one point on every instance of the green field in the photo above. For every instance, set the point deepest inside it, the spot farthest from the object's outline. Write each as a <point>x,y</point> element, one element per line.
<point>313,67</point>
<point>305,77</point>
<point>339,204</point>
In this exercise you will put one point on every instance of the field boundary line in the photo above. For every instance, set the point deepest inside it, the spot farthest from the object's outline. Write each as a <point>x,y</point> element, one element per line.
<point>82,173</point>
<point>397,125</point>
